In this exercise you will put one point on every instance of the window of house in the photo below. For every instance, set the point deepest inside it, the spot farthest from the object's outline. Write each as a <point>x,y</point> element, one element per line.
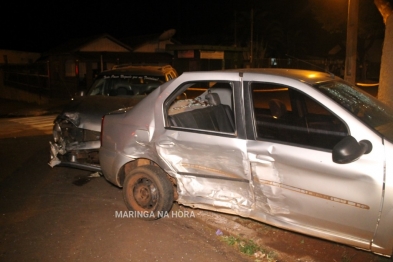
<point>202,105</point>
<point>286,115</point>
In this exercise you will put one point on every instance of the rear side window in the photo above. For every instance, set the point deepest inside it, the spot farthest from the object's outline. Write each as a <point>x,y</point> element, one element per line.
<point>286,115</point>
<point>202,106</point>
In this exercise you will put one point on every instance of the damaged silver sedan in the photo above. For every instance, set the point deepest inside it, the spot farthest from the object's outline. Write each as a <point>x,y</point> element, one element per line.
<point>300,150</point>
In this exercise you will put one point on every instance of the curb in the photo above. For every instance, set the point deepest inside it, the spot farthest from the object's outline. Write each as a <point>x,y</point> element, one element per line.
<point>221,222</point>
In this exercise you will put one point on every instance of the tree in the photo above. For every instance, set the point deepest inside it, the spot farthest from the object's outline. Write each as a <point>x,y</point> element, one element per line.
<point>330,14</point>
<point>334,19</point>
<point>385,89</point>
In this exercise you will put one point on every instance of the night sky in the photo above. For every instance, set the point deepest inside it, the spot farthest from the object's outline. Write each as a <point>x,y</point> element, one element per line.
<point>38,27</point>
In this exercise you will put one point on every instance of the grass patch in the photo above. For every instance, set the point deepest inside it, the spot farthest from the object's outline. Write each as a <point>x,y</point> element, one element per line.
<point>345,258</point>
<point>249,247</point>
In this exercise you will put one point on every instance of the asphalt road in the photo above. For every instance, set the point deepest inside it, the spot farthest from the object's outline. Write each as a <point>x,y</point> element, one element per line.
<point>63,214</point>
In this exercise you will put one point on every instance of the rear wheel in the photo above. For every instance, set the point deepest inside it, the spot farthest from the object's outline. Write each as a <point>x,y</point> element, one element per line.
<point>148,192</point>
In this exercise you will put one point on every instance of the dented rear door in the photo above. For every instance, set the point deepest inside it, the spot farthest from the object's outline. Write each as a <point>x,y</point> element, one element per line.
<point>210,166</point>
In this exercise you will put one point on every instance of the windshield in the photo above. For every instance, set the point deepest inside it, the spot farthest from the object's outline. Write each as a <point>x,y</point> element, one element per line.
<point>364,106</point>
<point>125,85</point>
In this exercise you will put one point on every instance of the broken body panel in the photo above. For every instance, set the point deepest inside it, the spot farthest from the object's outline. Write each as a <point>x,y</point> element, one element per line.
<point>77,130</point>
<point>290,183</point>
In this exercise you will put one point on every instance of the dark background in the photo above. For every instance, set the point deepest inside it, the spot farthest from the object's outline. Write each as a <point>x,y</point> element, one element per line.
<point>39,26</point>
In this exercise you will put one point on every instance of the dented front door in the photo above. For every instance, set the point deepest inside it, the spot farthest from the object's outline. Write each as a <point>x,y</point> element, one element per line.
<point>297,184</point>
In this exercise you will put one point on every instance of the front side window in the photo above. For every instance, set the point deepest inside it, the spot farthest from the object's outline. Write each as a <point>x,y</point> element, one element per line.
<point>202,106</point>
<point>286,115</point>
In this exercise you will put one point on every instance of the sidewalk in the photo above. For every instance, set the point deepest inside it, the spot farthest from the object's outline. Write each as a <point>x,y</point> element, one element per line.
<point>11,108</point>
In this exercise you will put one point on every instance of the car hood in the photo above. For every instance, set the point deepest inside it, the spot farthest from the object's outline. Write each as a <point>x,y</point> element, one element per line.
<point>87,111</point>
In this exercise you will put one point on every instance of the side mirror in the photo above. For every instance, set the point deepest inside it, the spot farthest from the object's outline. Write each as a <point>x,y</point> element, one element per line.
<point>349,150</point>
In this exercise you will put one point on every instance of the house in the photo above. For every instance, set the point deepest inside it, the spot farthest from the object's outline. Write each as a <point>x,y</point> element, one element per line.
<point>12,57</point>
<point>73,65</point>
<point>206,57</point>
<point>15,61</point>
<point>152,43</point>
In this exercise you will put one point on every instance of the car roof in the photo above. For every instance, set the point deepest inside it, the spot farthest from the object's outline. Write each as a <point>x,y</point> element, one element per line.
<point>138,70</point>
<point>307,76</point>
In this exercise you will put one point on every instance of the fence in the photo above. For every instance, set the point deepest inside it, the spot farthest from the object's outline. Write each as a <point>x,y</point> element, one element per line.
<point>32,83</point>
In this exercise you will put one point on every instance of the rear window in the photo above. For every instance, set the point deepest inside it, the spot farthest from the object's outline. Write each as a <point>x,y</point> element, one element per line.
<point>125,85</point>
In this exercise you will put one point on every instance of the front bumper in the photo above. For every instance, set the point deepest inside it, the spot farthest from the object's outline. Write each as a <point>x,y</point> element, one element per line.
<point>81,159</point>
<point>74,147</point>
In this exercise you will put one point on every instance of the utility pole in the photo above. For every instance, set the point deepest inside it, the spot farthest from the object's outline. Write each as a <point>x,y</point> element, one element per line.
<point>235,32</point>
<point>251,37</point>
<point>352,39</point>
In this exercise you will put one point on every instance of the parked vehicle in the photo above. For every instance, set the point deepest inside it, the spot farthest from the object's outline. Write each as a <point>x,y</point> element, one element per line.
<point>76,131</point>
<point>300,150</point>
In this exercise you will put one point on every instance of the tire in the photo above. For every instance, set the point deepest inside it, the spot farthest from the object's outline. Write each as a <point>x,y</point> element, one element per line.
<point>148,192</point>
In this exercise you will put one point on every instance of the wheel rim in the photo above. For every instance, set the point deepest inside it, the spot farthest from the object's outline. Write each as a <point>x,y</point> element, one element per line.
<point>145,193</point>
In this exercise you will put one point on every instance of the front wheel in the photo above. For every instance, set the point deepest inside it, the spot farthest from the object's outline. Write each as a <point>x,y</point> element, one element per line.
<point>148,192</point>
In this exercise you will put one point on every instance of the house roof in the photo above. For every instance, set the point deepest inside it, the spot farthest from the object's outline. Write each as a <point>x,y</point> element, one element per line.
<point>137,41</point>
